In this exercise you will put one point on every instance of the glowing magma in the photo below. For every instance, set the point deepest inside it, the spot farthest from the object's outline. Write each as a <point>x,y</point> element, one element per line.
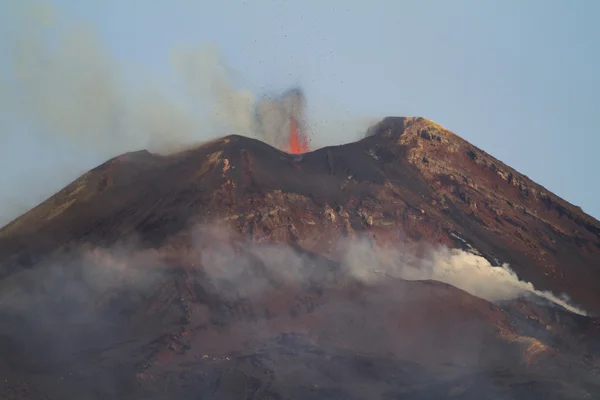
<point>298,143</point>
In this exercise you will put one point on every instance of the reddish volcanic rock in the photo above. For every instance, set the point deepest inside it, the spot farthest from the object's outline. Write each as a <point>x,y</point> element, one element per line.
<point>410,179</point>
<point>218,272</point>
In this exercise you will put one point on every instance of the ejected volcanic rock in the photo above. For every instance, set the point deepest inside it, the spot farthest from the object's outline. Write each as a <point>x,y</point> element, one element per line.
<point>218,273</point>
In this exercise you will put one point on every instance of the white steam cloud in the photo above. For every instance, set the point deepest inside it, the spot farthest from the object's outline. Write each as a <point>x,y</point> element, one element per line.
<point>466,271</point>
<point>238,268</point>
<point>87,297</point>
<point>119,303</point>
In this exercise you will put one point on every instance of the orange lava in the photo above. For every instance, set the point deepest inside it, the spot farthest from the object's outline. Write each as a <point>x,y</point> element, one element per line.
<point>298,142</point>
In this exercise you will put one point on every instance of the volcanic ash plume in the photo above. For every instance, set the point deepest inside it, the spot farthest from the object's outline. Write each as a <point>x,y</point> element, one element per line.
<point>281,121</point>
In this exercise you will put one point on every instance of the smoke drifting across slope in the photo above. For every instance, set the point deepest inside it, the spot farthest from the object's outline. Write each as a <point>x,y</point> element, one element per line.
<point>227,261</point>
<point>466,271</point>
<point>469,272</point>
<point>241,269</point>
<point>80,288</point>
<point>93,310</point>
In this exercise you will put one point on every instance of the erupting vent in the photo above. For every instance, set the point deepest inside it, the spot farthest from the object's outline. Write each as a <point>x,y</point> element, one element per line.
<point>281,121</point>
<point>298,143</point>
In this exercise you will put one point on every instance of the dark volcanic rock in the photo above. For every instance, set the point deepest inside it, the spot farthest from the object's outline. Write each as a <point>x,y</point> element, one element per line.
<point>110,289</point>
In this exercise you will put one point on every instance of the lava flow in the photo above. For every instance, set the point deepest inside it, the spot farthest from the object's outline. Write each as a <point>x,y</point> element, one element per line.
<point>298,143</point>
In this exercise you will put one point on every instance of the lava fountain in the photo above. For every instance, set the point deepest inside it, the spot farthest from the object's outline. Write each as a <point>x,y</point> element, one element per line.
<point>281,121</point>
<point>298,143</point>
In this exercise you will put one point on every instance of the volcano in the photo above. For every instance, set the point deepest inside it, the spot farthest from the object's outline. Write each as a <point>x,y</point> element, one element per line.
<point>238,270</point>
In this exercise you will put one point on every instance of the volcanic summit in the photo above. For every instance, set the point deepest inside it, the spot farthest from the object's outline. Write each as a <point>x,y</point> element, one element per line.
<point>407,265</point>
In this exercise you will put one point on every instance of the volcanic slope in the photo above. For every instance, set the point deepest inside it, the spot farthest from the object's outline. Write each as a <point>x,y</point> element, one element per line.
<point>218,273</point>
<point>410,178</point>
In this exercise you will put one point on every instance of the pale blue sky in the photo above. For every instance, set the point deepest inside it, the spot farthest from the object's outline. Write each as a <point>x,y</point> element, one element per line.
<point>519,79</point>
